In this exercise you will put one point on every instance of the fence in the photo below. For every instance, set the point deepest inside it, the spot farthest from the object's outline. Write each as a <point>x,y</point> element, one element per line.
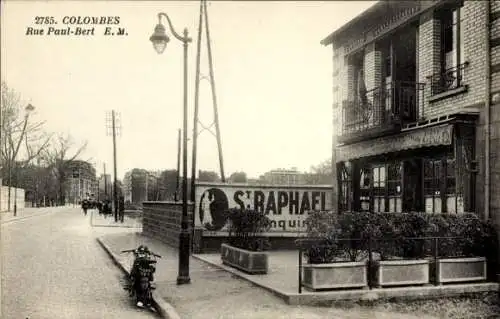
<point>384,249</point>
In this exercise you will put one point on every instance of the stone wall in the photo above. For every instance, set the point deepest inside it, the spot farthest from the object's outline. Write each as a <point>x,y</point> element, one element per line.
<point>162,221</point>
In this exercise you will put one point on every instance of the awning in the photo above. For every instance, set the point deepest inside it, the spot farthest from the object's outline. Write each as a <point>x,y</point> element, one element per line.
<point>430,136</point>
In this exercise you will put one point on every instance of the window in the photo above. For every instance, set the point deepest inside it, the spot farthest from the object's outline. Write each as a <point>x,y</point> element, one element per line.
<point>439,171</point>
<point>432,185</point>
<point>394,186</point>
<point>451,69</point>
<point>345,193</point>
<point>364,189</point>
<point>378,171</point>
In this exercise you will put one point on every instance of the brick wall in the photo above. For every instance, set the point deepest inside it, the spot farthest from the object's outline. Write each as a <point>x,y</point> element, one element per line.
<point>372,66</point>
<point>495,120</point>
<point>162,221</point>
<point>428,53</point>
<point>473,33</point>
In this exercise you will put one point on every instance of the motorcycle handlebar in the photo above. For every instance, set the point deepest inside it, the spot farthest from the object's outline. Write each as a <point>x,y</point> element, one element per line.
<point>134,250</point>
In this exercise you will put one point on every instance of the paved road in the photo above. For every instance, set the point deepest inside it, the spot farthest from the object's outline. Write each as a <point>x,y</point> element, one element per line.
<point>54,268</point>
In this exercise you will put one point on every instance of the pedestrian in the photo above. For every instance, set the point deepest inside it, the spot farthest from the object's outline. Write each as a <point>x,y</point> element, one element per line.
<point>85,206</point>
<point>99,207</point>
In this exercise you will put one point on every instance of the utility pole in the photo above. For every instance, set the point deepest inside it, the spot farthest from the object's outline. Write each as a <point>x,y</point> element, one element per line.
<point>112,124</point>
<point>105,182</point>
<point>211,79</point>
<point>176,194</point>
<point>115,193</point>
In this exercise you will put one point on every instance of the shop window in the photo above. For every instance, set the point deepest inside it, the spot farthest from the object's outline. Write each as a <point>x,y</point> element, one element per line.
<point>345,193</point>
<point>394,187</point>
<point>434,171</point>
<point>364,189</point>
<point>379,183</point>
<point>432,185</point>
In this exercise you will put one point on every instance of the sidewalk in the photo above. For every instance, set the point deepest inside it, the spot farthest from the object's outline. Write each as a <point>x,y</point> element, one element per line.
<point>23,213</point>
<point>217,294</point>
<point>131,219</point>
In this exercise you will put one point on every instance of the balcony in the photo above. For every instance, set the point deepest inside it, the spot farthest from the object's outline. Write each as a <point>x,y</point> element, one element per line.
<point>448,82</point>
<point>381,110</point>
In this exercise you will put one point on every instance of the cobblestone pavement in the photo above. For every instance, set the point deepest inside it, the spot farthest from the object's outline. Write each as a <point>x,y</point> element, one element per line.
<point>54,268</point>
<point>216,294</point>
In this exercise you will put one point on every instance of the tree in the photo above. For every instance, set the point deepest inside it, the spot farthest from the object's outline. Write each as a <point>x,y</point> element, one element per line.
<point>208,176</point>
<point>59,159</point>
<point>238,177</point>
<point>18,133</point>
<point>168,184</point>
<point>321,174</point>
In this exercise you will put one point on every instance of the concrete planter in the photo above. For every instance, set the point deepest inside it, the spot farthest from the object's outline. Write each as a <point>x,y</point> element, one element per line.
<point>252,262</point>
<point>335,275</point>
<point>402,272</point>
<point>461,269</point>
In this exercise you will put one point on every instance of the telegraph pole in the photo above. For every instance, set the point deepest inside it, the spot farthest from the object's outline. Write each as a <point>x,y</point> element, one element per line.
<point>105,182</point>
<point>115,193</point>
<point>113,126</point>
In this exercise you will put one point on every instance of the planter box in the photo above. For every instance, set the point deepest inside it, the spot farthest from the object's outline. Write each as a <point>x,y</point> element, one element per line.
<point>335,275</point>
<point>252,262</point>
<point>461,269</point>
<point>402,272</point>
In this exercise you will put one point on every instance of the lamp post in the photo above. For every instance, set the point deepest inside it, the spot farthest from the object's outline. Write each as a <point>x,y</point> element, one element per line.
<point>29,108</point>
<point>160,40</point>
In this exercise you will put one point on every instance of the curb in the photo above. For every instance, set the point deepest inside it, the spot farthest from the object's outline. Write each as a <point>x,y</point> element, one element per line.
<point>165,309</point>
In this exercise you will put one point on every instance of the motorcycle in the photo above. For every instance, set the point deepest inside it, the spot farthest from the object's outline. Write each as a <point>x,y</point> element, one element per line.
<point>141,275</point>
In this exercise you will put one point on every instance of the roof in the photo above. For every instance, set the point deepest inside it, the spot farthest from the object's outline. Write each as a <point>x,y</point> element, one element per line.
<point>335,34</point>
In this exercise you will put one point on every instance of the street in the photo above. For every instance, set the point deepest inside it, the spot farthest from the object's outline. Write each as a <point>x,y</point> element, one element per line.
<point>54,268</point>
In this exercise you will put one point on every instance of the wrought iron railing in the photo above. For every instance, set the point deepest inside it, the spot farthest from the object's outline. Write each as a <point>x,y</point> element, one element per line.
<point>448,79</point>
<point>394,103</point>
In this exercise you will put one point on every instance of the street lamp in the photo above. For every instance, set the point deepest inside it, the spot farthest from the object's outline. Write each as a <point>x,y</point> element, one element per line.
<point>29,108</point>
<point>160,40</point>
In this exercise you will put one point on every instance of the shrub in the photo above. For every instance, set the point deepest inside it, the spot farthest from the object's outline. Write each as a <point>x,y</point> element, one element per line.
<point>343,237</point>
<point>462,235</point>
<point>246,227</point>
<point>402,235</point>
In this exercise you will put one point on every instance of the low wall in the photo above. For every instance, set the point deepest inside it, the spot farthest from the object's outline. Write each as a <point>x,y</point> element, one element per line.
<point>4,198</point>
<point>162,221</point>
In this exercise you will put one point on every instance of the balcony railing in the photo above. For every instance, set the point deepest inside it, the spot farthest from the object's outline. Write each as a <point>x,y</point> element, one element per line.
<point>383,107</point>
<point>448,79</point>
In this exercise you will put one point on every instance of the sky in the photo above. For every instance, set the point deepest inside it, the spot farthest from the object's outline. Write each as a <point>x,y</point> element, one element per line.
<point>273,80</point>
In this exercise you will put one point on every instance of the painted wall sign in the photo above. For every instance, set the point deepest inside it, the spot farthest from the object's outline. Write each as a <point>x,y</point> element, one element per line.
<point>286,206</point>
<point>432,136</point>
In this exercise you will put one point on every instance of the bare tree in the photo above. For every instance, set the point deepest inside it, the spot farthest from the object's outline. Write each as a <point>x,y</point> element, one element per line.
<point>17,131</point>
<point>59,157</point>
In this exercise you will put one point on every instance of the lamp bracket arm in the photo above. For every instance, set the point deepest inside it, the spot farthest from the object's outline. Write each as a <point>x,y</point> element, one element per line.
<point>184,39</point>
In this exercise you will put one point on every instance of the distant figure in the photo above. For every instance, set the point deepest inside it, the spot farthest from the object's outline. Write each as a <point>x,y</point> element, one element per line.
<point>85,206</point>
<point>99,207</point>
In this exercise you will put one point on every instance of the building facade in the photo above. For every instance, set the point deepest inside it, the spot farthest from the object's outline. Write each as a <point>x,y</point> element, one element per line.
<point>82,181</point>
<point>416,118</point>
<point>105,187</point>
<point>283,176</point>
<point>140,185</point>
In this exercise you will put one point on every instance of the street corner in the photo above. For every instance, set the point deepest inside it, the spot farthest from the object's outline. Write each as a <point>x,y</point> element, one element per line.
<point>163,308</point>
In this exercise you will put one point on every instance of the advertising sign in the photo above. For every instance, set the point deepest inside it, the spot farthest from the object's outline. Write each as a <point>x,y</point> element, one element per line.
<point>286,206</point>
